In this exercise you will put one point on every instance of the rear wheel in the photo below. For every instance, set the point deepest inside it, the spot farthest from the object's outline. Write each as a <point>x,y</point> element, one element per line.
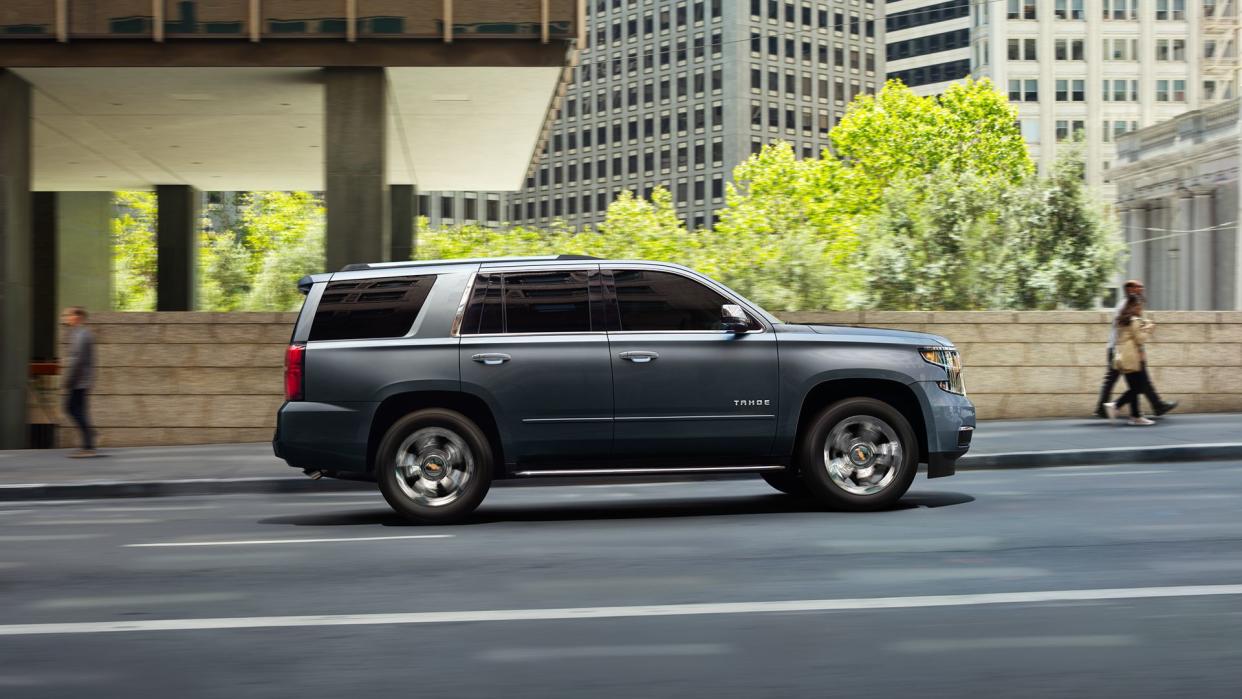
<point>859,454</point>
<point>787,481</point>
<point>434,466</point>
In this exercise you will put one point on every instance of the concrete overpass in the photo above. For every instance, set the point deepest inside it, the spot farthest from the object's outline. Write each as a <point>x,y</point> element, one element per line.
<point>362,99</point>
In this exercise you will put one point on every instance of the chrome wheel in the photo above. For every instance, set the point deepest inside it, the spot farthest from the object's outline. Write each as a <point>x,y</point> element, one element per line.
<point>862,454</point>
<point>434,466</point>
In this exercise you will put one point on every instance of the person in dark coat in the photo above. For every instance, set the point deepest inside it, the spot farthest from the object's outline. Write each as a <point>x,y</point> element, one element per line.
<point>79,376</point>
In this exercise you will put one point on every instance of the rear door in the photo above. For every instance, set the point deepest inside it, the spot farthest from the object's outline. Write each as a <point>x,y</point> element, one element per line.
<point>683,386</point>
<point>533,345</point>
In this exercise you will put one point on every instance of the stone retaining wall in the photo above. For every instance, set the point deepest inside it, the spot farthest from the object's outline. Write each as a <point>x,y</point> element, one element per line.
<point>196,378</point>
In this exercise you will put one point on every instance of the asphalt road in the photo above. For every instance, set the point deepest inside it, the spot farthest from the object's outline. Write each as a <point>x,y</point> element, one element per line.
<point>1118,581</point>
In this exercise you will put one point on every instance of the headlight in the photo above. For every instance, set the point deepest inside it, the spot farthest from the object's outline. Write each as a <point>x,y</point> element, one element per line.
<point>948,358</point>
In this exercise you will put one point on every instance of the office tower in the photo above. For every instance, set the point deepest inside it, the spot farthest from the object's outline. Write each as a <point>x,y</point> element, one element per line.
<point>678,93</point>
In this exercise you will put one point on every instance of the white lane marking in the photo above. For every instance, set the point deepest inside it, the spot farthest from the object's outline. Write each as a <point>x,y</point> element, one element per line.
<point>955,645</point>
<point>522,655</point>
<point>91,522</point>
<point>257,542</point>
<point>1096,474</point>
<point>140,601</point>
<point>655,610</point>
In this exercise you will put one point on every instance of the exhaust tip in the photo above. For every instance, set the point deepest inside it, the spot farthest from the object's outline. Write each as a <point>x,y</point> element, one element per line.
<point>313,474</point>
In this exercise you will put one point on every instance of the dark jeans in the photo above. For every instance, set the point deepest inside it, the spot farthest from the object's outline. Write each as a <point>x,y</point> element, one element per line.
<point>76,407</point>
<point>1138,383</point>
<point>1106,387</point>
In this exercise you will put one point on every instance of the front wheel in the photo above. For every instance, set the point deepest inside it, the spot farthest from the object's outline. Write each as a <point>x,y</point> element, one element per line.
<point>434,466</point>
<point>859,454</point>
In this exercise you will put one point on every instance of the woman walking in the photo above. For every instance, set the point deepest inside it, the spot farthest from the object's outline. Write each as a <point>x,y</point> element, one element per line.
<point>1133,333</point>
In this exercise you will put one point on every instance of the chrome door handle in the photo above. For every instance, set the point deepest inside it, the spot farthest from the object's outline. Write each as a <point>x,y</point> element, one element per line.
<point>640,356</point>
<point>491,358</point>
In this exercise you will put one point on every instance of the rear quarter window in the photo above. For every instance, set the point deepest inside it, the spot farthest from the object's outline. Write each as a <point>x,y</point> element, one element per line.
<point>362,309</point>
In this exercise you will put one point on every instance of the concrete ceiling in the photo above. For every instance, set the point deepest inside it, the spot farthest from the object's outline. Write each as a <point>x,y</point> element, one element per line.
<point>453,128</point>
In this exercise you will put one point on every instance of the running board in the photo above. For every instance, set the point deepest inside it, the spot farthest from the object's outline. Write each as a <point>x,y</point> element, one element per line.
<point>647,471</point>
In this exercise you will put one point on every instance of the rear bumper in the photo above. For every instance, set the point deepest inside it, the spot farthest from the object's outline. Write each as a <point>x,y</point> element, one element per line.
<point>329,437</point>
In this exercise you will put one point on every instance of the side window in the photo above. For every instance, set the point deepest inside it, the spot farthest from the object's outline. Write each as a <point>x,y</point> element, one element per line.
<point>483,313</point>
<point>651,301</point>
<point>547,302</point>
<point>370,308</point>
<point>552,301</point>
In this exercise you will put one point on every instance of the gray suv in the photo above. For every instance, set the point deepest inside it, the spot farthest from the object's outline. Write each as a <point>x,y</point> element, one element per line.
<point>436,378</point>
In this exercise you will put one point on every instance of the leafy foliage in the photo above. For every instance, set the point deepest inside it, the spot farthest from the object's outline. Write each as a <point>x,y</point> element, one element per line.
<point>922,202</point>
<point>133,252</point>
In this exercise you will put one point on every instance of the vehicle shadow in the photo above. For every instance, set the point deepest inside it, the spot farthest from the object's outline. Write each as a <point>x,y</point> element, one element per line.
<point>630,509</point>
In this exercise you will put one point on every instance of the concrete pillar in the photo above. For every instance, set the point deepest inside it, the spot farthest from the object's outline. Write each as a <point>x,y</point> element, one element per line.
<point>403,242</point>
<point>1138,238</point>
<point>1182,249</point>
<point>15,258</point>
<point>1204,263</point>
<point>84,240</point>
<point>176,240</point>
<point>45,306</point>
<point>356,188</point>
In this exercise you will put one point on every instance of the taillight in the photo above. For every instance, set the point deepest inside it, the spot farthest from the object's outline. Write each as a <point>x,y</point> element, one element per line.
<point>295,374</point>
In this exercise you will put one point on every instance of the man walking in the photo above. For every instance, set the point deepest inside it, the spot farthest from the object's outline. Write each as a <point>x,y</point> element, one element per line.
<point>79,375</point>
<point>1132,289</point>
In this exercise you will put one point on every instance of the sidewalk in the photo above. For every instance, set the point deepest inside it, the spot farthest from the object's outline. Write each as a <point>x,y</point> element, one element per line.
<point>250,468</point>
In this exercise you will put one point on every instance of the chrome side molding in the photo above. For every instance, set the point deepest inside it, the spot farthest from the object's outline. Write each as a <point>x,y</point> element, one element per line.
<point>647,471</point>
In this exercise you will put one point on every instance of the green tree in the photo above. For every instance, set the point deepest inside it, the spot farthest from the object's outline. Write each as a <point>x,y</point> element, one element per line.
<point>969,128</point>
<point>1072,249</point>
<point>134,252</point>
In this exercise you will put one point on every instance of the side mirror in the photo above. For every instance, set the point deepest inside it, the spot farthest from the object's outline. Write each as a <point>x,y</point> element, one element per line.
<point>733,318</point>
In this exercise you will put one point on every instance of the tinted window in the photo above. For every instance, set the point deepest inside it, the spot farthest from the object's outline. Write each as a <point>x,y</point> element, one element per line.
<point>546,302</point>
<point>483,314</point>
<point>529,302</point>
<point>370,308</point>
<point>664,301</point>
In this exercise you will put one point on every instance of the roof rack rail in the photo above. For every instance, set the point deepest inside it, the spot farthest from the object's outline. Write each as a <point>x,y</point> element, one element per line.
<point>427,263</point>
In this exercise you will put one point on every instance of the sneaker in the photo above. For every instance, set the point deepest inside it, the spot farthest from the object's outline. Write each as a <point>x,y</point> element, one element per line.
<point>1165,407</point>
<point>84,454</point>
<point>1141,422</point>
<point>1110,411</point>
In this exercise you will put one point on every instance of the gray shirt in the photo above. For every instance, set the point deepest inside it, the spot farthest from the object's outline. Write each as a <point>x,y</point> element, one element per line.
<point>1112,327</point>
<point>80,364</point>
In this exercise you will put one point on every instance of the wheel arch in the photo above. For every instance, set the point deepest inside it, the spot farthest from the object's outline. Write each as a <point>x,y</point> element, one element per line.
<point>893,392</point>
<point>395,406</point>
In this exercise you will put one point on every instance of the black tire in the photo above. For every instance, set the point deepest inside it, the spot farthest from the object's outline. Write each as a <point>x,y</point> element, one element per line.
<point>456,439</point>
<point>851,413</point>
<point>788,482</point>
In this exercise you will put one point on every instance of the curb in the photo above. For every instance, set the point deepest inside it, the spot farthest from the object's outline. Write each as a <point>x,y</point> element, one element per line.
<point>243,486</point>
<point>1103,456</point>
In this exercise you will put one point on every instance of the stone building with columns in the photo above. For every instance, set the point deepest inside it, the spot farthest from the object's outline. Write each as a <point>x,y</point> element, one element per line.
<point>1177,196</point>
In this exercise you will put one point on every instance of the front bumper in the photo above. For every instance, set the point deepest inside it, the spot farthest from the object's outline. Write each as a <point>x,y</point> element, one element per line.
<point>950,427</point>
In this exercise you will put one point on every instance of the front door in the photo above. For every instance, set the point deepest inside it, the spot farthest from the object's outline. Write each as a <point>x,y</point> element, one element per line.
<point>529,349</point>
<point>682,386</point>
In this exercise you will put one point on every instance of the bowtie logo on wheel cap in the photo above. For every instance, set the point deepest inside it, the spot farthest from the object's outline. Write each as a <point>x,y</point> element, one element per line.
<point>860,454</point>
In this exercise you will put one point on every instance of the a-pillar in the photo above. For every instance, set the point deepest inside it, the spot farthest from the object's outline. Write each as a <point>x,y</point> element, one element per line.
<point>404,227</point>
<point>176,240</point>
<point>16,235</point>
<point>1205,254</point>
<point>355,176</point>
